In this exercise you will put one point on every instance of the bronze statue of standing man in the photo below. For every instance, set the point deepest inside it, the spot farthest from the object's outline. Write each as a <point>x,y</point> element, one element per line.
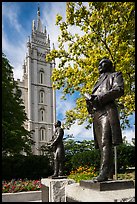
<point>58,150</point>
<point>106,123</point>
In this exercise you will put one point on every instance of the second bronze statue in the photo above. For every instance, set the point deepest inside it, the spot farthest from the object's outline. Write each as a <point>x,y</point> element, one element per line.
<point>58,150</point>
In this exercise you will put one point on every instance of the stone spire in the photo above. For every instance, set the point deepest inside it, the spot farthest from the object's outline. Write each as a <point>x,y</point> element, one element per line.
<point>24,67</point>
<point>45,31</point>
<point>39,24</point>
<point>33,26</point>
<point>48,39</point>
<point>38,12</point>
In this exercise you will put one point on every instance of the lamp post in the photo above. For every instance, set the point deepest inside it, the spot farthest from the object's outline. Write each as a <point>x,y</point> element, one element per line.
<point>115,156</point>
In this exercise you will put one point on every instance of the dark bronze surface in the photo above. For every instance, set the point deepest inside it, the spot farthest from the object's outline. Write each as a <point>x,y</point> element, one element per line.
<point>59,153</point>
<point>103,108</point>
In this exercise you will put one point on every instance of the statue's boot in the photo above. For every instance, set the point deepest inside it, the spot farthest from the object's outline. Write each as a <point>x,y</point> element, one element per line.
<point>103,176</point>
<point>106,165</point>
<point>60,169</point>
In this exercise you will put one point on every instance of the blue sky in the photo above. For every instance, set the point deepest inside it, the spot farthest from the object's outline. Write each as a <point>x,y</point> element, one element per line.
<point>16,27</point>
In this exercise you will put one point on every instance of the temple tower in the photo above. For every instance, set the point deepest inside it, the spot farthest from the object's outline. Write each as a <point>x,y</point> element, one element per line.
<point>36,86</point>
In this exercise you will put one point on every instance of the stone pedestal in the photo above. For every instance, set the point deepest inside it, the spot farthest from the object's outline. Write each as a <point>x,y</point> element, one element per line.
<point>107,185</point>
<point>53,190</point>
<point>77,193</point>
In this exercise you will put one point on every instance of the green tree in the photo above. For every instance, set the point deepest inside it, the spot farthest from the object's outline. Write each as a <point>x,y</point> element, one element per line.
<point>72,147</point>
<point>126,156</point>
<point>81,153</point>
<point>107,29</point>
<point>15,138</point>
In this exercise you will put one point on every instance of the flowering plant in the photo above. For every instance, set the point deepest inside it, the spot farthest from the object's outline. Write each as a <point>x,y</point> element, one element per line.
<point>20,185</point>
<point>83,173</point>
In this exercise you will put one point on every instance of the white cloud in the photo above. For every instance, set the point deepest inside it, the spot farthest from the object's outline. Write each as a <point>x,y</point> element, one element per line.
<point>80,132</point>
<point>14,50</point>
<point>15,54</point>
<point>63,105</point>
<point>129,133</point>
<point>49,19</point>
<point>10,12</point>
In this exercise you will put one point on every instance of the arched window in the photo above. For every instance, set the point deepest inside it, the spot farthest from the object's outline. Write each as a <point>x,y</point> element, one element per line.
<point>42,115</point>
<point>41,97</point>
<point>42,134</point>
<point>41,77</point>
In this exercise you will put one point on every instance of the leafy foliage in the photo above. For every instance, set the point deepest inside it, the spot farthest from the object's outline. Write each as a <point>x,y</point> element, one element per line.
<point>26,167</point>
<point>15,138</point>
<point>84,154</point>
<point>89,158</point>
<point>125,156</point>
<point>105,29</point>
<point>73,148</point>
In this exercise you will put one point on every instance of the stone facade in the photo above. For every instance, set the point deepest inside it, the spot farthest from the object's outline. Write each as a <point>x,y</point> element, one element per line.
<point>36,87</point>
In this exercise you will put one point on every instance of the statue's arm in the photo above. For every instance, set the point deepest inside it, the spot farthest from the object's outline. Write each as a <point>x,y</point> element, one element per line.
<point>116,91</point>
<point>58,138</point>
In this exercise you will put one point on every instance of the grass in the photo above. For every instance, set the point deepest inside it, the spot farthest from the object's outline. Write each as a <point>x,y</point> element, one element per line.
<point>126,176</point>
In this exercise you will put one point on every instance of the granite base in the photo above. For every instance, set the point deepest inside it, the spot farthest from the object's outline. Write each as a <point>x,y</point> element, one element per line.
<point>107,185</point>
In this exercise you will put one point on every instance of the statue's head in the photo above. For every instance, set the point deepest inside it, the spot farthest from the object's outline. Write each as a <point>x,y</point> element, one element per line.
<point>58,123</point>
<point>105,65</point>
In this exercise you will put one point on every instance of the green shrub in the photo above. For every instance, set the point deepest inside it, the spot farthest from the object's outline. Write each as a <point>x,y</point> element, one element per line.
<point>30,167</point>
<point>125,157</point>
<point>89,158</point>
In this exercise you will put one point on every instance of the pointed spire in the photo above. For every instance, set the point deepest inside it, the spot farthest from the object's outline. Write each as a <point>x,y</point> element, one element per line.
<point>39,24</point>
<point>48,39</point>
<point>33,26</point>
<point>24,67</point>
<point>38,12</point>
<point>45,31</point>
<point>29,39</point>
